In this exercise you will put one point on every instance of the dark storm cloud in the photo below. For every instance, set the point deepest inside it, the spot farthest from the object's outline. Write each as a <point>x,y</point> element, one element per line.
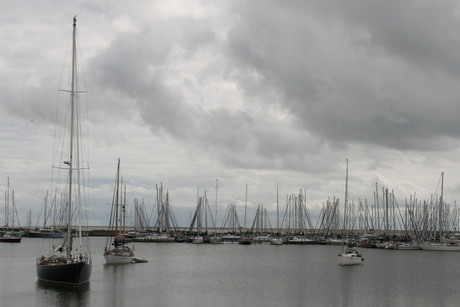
<point>423,33</point>
<point>390,66</point>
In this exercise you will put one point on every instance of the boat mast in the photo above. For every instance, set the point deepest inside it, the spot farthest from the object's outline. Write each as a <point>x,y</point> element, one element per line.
<point>441,205</point>
<point>124,215</point>
<point>7,204</point>
<point>245,205</point>
<point>277,210</point>
<point>215,216</point>
<point>345,216</point>
<point>116,201</point>
<point>72,124</point>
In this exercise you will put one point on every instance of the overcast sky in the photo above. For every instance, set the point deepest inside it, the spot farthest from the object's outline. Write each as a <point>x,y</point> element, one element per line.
<point>262,93</point>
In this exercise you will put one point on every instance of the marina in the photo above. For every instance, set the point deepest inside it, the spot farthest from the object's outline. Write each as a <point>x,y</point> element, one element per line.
<point>205,153</point>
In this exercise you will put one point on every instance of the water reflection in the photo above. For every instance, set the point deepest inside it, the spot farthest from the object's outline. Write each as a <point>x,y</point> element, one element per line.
<point>60,295</point>
<point>346,284</point>
<point>116,273</point>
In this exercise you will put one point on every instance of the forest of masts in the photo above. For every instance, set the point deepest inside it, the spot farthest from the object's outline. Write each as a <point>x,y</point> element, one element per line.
<point>384,217</point>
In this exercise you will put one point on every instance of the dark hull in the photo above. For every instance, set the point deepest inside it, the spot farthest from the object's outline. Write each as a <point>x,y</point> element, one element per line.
<point>38,234</point>
<point>10,240</point>
<point>71,274</point>
<point>245,242</point>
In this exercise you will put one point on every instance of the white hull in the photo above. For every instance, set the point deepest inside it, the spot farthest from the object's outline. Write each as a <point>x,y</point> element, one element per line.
<point>335,242</point>
<point>440,247</point>
<point>118,259</point>
<point>215,240</point>
<point>343,260</point>
<point>261,239</point>
<point>198,240</point>
<point>350,257</point>
<point>276,241</point>
<point>407,246</point>
<point>350,261</point>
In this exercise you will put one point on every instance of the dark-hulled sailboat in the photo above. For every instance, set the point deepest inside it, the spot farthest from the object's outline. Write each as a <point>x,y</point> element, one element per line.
<point>70,262</point>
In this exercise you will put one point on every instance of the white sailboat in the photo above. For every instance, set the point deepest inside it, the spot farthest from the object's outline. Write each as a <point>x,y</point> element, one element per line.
<point>278,240</point>
<point>215,239</point>
<point>117,251</point>
<point>70,262</point>
<point>440,246</point>
<point>348,255</point>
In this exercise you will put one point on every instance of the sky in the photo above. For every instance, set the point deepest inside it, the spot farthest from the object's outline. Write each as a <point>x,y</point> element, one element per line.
<point>272,95</point>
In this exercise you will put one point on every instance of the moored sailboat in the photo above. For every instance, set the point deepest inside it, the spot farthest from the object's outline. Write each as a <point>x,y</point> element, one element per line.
<point>46,231</point>
<point>278,240</point>
<point>10,235</point>
<point>349,255</point>
<point>69,264</point>
<point>117,251</point>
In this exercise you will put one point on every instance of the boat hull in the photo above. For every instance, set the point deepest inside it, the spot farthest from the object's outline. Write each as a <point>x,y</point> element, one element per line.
<point>347,262</point>
<point>155,239</point>
<point>118,259</point>
<point>245,241</point>
<point>276,242</point>
<point>350,257</point>
<point>440,247</point>
<point>10,240</point>
<point>215,240</point>
<point>68,273</point>
<point>40,234</point>
<point>343,260</point>
<point>300,241</point>
<point>198,240</point>
<point>408,246</point>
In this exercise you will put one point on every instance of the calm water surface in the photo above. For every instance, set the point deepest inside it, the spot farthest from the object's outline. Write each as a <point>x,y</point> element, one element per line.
<point>237,275</point>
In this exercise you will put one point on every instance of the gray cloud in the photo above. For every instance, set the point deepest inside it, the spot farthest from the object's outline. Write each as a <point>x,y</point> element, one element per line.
<point>348,76</point>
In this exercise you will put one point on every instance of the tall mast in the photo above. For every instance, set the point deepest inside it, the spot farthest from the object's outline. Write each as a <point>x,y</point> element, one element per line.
<point>215,216</point>
<point>277,210</point>
<point>116,199</point>
<point>7,203</point>
<point>441,205</point>
<point>124,214</point>
<point>345,213</point>
<point>72,124</point>
<point>245,205</point>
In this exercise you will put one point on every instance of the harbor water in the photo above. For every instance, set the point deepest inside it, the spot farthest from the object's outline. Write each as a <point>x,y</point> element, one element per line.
<point>183,274</point>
